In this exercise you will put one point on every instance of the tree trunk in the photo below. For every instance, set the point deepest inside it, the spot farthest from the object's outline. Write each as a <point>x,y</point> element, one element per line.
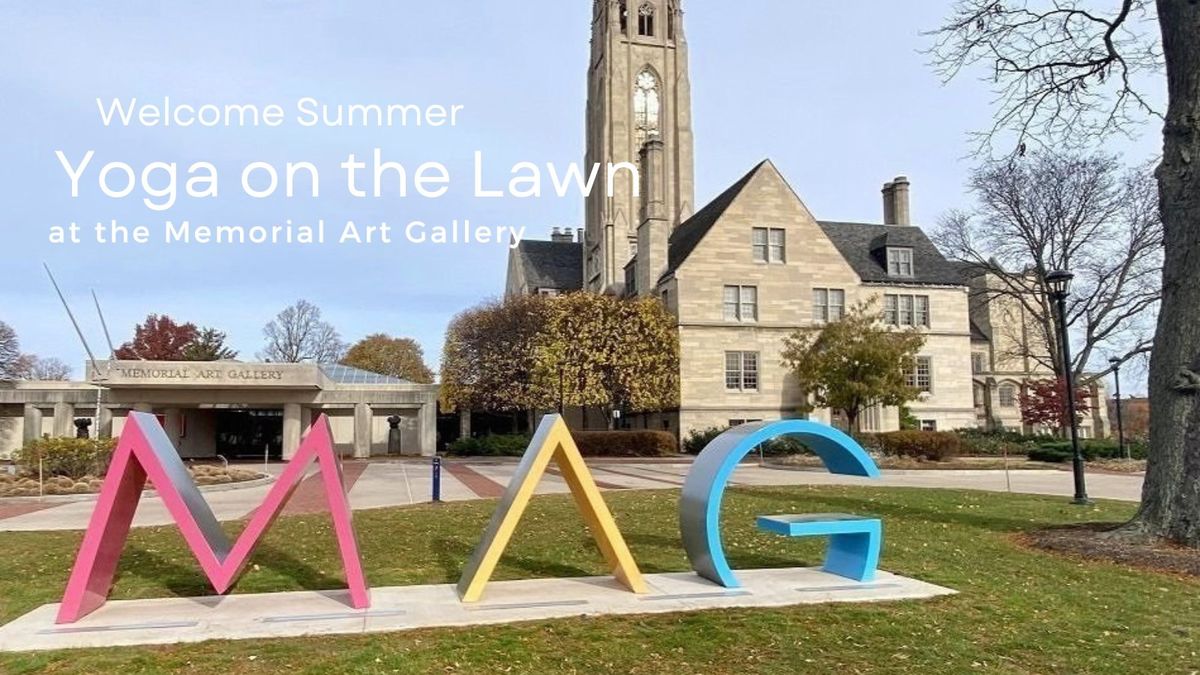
<point>1171,497</point>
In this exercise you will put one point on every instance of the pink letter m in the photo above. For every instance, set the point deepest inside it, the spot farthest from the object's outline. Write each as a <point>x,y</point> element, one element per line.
<point>144,451</point>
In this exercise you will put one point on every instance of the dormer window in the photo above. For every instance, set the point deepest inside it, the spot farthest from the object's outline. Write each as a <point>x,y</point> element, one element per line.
<point>646,20</point>
<point>900,262</point>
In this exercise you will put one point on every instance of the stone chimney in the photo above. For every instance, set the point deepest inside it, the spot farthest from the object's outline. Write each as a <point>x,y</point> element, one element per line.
<point>654,229</point>
<point>562,236</point>
<point>896,202</point>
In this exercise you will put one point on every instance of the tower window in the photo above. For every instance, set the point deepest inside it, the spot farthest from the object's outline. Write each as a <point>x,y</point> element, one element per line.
<point>672,9</point>
<point>623,11</point>
<point>646,20</point>
<point>646,106</point>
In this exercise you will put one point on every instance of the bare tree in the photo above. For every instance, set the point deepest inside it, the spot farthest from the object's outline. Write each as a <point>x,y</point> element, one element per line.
<point>11,364</point>
<point>45,369</point>
<point>298,334</point>
<point>1068,74</point>
<point>1065,211</point>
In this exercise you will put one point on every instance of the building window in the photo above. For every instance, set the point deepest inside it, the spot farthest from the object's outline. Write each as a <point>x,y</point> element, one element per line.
<point>920,374</point>
<point>906,310</point>
<point>741,303</point>
<point>672,9</point>
<point>741,371</point>
<point>900,262</point>
<point>928,425</point>
<point>978,391</point>
<point>829,304</point>
<point>1008,396</point>
<point>623,12</point>
<point>647,106</point>
<point>738,423</point>
<point>633,249</point>
<point>770,245</point>
<point>549,292</point>
<point>978,362</point>
<point>646,20</point>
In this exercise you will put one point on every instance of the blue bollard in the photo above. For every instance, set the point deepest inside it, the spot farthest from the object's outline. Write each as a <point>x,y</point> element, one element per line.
<point>437,479</point>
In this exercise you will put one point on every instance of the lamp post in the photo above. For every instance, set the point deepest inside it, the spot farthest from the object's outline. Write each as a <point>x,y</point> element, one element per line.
<point>1058,283</point>
<point>1116,365</point>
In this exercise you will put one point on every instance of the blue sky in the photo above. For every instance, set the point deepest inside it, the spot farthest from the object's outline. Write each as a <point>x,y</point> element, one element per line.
<point>836,93</point>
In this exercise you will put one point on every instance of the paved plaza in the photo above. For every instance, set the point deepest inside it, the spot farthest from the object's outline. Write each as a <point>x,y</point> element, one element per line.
<point>381,484</point>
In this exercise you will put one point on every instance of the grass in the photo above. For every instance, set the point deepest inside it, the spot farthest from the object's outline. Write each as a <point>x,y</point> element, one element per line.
<point>1018,610</point>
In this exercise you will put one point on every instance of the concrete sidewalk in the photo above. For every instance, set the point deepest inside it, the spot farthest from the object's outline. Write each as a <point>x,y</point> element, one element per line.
<point>402,483</point>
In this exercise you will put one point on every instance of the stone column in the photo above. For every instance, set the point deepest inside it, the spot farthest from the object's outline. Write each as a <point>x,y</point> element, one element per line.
<point>104,422</point>
<point>464,423</point>
<point>64,420</point>
<point>33,423</point>
<point>173,425</point>
<point>293,428</point>
<point>427,428</point>
<point>362,430</point>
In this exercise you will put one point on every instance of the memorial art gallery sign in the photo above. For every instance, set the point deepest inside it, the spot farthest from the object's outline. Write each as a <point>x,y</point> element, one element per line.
<point>205,374</point>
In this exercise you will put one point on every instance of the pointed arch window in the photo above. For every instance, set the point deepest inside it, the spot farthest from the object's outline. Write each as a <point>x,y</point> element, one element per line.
<point>647,106</point>
<point>646,15</point>
<point>623,12</point>
<point>672,10</point>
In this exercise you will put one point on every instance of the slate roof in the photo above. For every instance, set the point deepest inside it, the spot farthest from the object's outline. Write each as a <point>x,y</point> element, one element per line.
<point>864,246</point>
<point>691,232</point>
<point>551,264</point>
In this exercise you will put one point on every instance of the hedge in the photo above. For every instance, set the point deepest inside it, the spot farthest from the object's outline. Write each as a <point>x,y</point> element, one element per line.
<point>69,457</point>
<point>978,442</point>
<point>1092,450</point>
<point>626,443</point>
<point>489,446</point>
<point>698,439</point>
<point>934,446</point>
<point>591,444</point>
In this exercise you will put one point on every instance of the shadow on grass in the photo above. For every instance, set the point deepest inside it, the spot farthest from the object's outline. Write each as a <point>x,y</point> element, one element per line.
<point>187,579</point>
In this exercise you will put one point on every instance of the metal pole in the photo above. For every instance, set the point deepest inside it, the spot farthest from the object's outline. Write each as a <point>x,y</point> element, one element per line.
<point>1081,497</point>
<point>1120,423</point>
<point>437,479</point>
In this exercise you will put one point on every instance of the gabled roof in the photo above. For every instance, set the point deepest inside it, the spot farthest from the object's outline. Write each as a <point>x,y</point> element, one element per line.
<point>551,264</point>
<point>864,246</point>
<point>690,233</point>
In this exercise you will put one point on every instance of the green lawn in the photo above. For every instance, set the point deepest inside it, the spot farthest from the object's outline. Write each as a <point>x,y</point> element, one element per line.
<point>1018,611</point>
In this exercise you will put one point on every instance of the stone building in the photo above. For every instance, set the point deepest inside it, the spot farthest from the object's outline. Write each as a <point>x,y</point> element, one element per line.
<point>1008,352</point>
<point>231,409</point>
<point>745,271</point>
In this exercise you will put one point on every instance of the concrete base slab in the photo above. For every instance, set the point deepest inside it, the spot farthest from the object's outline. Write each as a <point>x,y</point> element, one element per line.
<point>235,617</point>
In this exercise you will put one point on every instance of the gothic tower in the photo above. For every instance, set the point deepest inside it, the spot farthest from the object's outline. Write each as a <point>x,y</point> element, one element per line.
<point>638,90</point>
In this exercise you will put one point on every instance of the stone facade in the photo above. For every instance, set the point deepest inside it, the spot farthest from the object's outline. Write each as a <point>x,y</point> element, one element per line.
<point>655,245</point>
<point>784,298</point>
<point>1009,350</point>
<point>638,88</point>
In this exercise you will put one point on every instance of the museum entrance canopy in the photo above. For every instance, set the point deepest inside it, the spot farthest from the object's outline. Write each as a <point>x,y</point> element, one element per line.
<point>370,414</point>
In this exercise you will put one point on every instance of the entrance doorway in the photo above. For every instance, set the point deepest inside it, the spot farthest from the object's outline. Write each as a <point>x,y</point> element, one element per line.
<point>246,434</point>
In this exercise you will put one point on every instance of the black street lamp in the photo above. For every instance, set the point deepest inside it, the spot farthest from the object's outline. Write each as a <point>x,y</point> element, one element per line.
<point>1116,366</point>
<point>1059,285</point>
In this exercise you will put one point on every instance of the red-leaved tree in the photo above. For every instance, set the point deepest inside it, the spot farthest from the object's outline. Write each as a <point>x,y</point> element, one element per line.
<point>159,338</point>
<point>1044,404</point>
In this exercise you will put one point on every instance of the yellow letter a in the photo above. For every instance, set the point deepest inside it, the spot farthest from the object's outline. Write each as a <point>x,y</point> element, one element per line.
<point>552,441</point>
